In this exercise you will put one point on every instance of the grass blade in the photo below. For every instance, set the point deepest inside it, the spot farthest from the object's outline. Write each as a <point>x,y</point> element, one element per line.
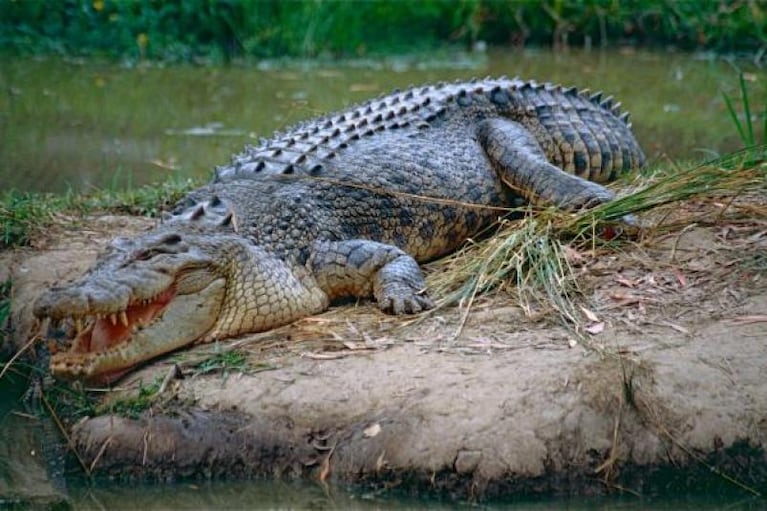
<point>747,111</point>
<point>734,117</point>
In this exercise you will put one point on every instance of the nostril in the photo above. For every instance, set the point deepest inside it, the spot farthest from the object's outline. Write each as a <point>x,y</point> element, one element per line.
<point>142,255</point>
<point>172,239</point>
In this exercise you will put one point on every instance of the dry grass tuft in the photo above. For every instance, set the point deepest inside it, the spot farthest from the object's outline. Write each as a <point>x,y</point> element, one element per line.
<point>530,257</point>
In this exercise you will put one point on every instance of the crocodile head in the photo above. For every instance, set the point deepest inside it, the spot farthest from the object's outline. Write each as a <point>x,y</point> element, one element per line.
<point>143,297</point>
<point>184,282</point>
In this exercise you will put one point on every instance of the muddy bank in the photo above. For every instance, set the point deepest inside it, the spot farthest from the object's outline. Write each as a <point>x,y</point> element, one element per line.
<point>667,390</point>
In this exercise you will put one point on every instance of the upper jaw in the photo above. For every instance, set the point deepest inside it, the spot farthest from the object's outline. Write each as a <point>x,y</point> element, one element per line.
<point>99,296</point>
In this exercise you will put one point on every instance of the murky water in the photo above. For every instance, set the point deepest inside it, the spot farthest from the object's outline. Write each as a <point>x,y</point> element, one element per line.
<point>75,125</point>
<point>262,495</point>
<point>80,125</point>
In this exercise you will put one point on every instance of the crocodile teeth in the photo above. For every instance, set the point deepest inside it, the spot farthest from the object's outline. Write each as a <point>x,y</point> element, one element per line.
<point>79,325</point>
<point>113,319</point>
<point>124,318</point>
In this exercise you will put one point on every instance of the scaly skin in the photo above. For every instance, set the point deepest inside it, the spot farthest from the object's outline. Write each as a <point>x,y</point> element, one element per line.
<point>345,205</point>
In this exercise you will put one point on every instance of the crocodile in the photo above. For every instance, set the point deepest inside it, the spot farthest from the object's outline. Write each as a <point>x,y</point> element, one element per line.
<point>344,205</point>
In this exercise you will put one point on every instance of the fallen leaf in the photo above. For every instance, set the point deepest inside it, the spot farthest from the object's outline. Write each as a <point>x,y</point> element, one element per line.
<point>573,255</point>
<point>595,328</point>
<point>675,327</point>
<point>372,430</point>
<point>625,282</point>
<point>589,315</point>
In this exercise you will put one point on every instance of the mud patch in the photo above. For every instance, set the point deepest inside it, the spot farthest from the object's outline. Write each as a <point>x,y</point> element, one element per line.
<point>668,390</point>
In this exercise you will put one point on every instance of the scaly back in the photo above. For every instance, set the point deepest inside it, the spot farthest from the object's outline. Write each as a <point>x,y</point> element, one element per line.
<point>582,133</point>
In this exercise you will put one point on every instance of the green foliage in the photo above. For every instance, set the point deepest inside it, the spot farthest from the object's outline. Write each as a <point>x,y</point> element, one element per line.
<point>75,402</point>
<point>221,29</point>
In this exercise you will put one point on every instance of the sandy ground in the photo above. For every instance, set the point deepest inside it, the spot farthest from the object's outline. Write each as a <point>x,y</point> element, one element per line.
<point>664,389</point>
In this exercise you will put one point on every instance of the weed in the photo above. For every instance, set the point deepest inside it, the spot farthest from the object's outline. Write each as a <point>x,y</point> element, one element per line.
<point>146,200</point>
<point>746,128</point>
<point>23,214</point>
<point>70,401</point>
<point>224,361</point>
<point>133,406</point>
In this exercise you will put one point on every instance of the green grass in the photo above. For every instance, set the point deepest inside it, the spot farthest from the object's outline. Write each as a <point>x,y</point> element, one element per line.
<point>71,402</point>
<point>746,127</point>
<point>134,405</point>
<point>24,214</point>
<point>225,362</point>
<point>5,311</point>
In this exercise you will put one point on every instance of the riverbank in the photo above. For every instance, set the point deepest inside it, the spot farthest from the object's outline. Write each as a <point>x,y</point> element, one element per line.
<point>660,386</point>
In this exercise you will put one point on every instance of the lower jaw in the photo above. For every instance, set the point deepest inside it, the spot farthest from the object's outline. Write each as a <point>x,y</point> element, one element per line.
<point>111,377</point>
<point>62,367</point>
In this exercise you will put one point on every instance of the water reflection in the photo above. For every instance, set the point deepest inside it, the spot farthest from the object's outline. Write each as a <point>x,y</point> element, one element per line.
<point>83,125</point>
<point>292,495</point>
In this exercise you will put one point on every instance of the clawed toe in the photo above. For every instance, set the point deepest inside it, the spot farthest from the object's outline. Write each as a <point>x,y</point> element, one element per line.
<point>412,304</point>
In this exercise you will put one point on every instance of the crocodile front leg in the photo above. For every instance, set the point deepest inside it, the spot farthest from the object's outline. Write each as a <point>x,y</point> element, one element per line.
<point>364,268</point>
<point>523,166</point>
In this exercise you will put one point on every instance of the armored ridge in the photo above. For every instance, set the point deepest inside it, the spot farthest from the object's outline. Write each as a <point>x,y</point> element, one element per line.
<point>344,205</point>
<point>582,133</point>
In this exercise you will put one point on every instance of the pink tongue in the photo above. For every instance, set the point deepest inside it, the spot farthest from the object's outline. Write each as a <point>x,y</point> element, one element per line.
<point>105,334</point>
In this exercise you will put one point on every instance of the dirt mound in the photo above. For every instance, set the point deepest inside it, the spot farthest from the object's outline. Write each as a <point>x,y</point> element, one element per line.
<point>666,385</point>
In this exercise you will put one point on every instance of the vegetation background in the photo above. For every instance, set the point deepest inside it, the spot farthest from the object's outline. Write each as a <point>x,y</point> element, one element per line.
<point>220,30</point>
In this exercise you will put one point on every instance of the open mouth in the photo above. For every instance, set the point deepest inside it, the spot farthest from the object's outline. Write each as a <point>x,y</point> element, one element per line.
<point>97,344</point>
<point>95,334</point>
<point>100,332</point>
